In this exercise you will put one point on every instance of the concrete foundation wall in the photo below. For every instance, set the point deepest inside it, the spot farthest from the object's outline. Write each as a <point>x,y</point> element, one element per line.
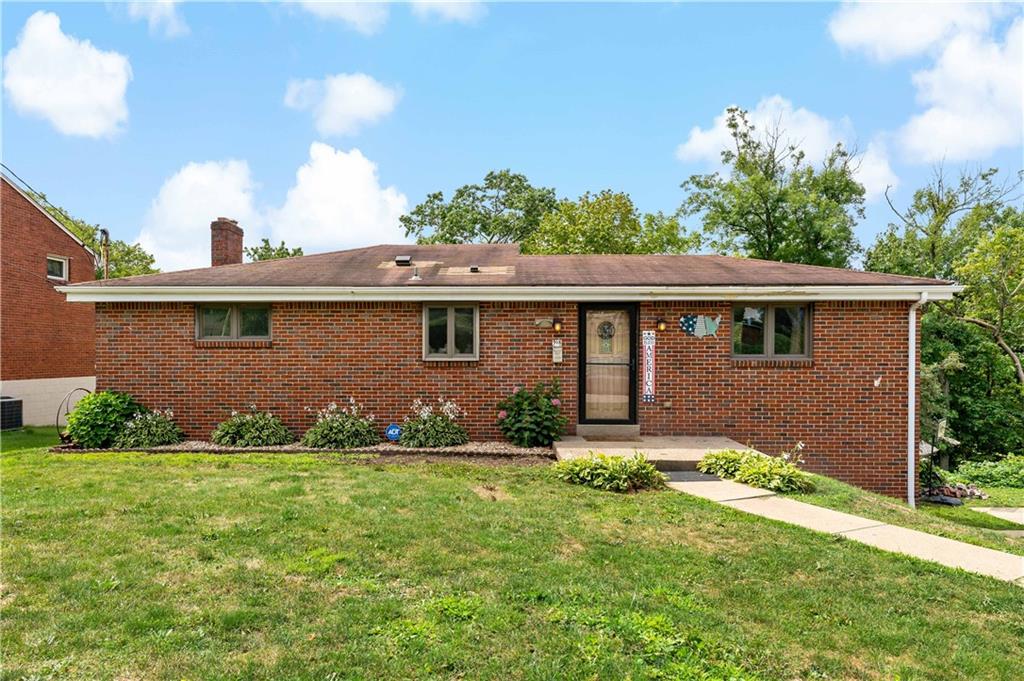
<point>42,396</point>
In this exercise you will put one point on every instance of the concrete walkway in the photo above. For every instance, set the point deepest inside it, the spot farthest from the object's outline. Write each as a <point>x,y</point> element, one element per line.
<point>948,552</point>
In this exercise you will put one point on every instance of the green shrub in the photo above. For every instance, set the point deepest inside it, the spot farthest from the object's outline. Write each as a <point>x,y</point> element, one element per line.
<point>149,429</point>
<point>433,428</point>
<point>724,464</point>
<point>1007,472</point>
<point>770,472</point>
<point>610,473</point>
<point>341,428</point>
<point>99,418</point>
<point>253,429</point>
<point>532,418</point>
<point>776,473</point>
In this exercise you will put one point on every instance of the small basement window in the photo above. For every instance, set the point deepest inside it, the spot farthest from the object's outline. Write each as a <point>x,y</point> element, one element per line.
<point>233,322</point>
<point>451,332</point>
<point>56,267</point>
<point>763,331</point>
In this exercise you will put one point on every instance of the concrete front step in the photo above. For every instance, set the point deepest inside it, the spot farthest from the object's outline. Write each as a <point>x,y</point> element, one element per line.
<point>667,453</point>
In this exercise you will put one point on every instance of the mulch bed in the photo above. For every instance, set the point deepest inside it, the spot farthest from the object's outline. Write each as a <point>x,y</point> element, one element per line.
<point>487,453</point>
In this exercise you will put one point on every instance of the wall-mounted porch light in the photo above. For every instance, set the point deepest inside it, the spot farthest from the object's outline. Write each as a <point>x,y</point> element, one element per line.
<point>556,325</point>
<point>662,324</point>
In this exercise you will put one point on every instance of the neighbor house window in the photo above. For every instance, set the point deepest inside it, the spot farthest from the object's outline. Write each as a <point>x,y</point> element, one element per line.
<point>233,322</point>
<point>451,332</point>
<point>771,331</point>
<point>57,267</point>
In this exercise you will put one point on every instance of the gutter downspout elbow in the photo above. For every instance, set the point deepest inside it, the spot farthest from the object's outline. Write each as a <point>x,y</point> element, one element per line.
<point>912,399</point>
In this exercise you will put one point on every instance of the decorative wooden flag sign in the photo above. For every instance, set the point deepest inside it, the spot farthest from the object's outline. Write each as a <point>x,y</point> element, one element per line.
<point>648,342</point>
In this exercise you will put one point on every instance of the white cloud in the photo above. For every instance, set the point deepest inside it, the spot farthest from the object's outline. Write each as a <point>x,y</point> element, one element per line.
<point>973,95</point>
<point>176,229</point>
<point>338,202</point>
<point>459,12</point>
<point>811,132</point>
<point>342,103</point>
<point>365,17</point>
<point>161,16</point>
<point>78,88</point>
<point>893,30</point>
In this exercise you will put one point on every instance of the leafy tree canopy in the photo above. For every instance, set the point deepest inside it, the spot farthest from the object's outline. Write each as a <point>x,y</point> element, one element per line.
<point>967,229</point>
<point>771,204</point>
<point>607,222</point>
<point>126,260</point>
<point>267,251</point>
<point>506,208</point>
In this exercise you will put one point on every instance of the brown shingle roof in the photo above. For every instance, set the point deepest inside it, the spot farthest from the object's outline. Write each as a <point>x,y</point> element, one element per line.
<point>503,265</point>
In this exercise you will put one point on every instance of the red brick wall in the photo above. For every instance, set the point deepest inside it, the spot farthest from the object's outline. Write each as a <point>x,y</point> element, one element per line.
<point>323,352</point>
<point>41,334</point>
<point>852,429</point>
<point>330,351</point>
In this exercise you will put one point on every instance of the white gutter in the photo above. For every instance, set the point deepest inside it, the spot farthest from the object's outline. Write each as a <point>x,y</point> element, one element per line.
<point>912,399</point>
<point>120,294</point>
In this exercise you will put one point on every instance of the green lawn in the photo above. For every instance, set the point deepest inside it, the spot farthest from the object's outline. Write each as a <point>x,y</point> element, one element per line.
<point>958,522</point>
<point>1000,496</point>
<point>294,566</point>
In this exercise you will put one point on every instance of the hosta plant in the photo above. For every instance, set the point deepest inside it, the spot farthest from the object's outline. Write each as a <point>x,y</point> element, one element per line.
<point>254,428</point>
<point>610,473</point>
<point>431,426</point>
<point>341,428</point>
<point>149,429</point>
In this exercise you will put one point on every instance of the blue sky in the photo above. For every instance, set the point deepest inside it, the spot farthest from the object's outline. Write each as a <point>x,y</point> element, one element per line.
<point>154,119</point>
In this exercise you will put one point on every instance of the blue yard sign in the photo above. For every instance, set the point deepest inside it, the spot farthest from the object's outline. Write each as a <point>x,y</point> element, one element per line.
<point>393,432</point>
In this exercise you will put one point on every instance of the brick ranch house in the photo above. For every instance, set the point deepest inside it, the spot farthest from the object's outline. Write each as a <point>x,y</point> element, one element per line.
<point>766,353</point>
<point>46,344</point>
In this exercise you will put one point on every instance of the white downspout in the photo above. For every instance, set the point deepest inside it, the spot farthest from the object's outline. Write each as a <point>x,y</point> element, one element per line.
<point>912,400</point>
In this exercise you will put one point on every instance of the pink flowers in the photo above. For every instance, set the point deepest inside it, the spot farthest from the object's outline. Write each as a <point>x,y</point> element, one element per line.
<point>556,402</point>
<point>502,415</point>
<point>516,389</point>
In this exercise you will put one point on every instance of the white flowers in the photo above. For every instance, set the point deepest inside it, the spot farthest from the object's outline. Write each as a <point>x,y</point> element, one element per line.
<point>447,408</point>
<point>332,410</point>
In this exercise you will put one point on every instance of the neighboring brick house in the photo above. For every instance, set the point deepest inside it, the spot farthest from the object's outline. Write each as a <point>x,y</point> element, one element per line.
<point>763,352</point>
<point>46,344</point>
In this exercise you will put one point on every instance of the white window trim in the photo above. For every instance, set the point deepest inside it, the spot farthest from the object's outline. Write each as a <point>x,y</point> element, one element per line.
<point>65,261</point>
<point>234,317</point>
<point>450,356</point>
<point>769,331</point>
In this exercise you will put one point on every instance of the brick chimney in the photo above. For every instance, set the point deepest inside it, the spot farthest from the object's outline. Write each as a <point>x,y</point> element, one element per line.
<point>225,242</point>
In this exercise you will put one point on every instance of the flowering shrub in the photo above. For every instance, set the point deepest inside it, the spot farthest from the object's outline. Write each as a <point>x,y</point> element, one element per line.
<point>253,429</point>
<point>777,473</point>
<point>610,473</point>
<point>430,427</point>
<point>532,418</point>
<point>149,429</point>
<point>99,419</point>
<point>341,428</point>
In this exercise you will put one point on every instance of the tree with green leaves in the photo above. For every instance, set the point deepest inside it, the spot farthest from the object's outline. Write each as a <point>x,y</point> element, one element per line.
<point>506,208</point>
<point>125,259</point>
<point>969,230</point>
<point>607,222</point>
<point>772,204</point>
<point>268,251</point>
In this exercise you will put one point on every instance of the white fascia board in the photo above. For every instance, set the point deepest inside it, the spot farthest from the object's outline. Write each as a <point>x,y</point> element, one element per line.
<point>207,294</point>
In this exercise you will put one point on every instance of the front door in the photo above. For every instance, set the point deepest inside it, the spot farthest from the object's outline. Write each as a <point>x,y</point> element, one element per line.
<point>608,363</point>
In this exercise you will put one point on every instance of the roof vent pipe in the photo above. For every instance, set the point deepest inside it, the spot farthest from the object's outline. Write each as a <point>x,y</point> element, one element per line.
<point>415,275</point>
